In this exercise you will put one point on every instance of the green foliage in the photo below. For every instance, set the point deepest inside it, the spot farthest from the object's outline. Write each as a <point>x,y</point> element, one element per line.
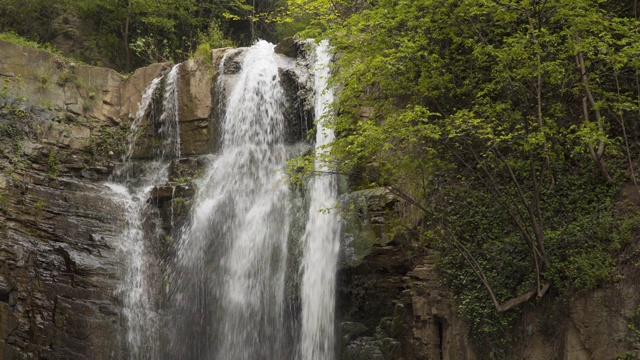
<point>39,205</point>
<point>290,27</point>
<point>15,111</point>
<point>108,140</point>
<point>65,77</point>
<point>480,115</point>
<point>213,39</point>
<point>52,162</point>
<point>12,37</point>
<point>10,132</point>
<point>4,199</point>
<point>11,140</point>
<point>179,204</point>
<point>29,18</point>
<point>136,32</point>
<point>43,78</point>
<point>629,355</point>
<point>132,33</point>
<point>634,323</point>
<point>9,84</point>
<point>204,51</point>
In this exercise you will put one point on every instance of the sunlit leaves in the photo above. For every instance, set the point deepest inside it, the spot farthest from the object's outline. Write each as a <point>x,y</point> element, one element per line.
<point>487,100</point>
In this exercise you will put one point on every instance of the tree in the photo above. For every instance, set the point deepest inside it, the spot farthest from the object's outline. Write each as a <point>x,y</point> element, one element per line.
<point>29,18</point>
<point>501,104</point>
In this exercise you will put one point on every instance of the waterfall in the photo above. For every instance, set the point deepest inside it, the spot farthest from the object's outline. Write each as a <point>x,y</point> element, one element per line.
<point>225,285</point>
<point>138,309</point>
<point>134,194</point>
<point>146,104</point>
<point>169,129</point>
<point>230,272</point>
<point>321,237</point>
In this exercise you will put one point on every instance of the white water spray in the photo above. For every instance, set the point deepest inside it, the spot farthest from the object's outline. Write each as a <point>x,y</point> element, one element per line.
<point>321,238</point>
<point>233,256</point>
<point>136,290</point>
<point>169,126</point>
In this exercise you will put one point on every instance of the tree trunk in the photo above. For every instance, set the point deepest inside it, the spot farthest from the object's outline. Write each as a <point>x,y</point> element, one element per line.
<point>596,155</point>
<point>125,39</point>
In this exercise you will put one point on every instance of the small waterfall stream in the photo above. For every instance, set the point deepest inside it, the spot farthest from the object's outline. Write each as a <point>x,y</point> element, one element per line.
<point>169,129</point>
<point>133,192</point>
<point>322,233</point>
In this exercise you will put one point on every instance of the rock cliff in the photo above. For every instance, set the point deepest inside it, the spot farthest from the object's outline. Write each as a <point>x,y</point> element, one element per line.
<point>393,305</point>
<point>64,129</point>
<point>59,265</point>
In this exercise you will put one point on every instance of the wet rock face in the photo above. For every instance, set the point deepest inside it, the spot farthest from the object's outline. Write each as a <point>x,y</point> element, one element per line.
<point>58,261</point>
<point>57,143</point>
<point>60,136</point>
<point>290,47</point>
<point>58,277</point>
<point>298,110</point>
<point>64,128</point>
<point>390,303</point>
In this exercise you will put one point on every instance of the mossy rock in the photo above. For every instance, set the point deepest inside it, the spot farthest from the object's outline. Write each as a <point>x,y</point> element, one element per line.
<point>364,225</point>
<point>288,47</point>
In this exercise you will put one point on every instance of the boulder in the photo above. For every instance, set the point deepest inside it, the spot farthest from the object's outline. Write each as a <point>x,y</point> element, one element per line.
<point>133,88</point>
<point>289,47</point>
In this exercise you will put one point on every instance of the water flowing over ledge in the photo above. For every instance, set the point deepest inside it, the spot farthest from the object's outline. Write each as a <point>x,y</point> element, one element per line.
<point>232,256</point>
<point>322,234</point>
<point>133,193</point>
<point>242,283</point>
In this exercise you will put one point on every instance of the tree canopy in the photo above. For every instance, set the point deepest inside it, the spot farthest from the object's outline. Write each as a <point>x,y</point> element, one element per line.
<point>126,34</point>
<point>507,126</point>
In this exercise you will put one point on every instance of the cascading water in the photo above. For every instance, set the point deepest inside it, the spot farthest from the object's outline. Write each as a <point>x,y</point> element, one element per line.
<point>232,258</point>
<point>134,193</point>
<point>226,284</point>
<point>138,309</point>
<point>321,237</point>
<point>169,129</point>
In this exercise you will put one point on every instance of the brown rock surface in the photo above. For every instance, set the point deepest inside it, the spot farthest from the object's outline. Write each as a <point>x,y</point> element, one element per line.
<point>59,269</point>
<point>134,86</point>
<point>196,128</point>
<point>51,81</point>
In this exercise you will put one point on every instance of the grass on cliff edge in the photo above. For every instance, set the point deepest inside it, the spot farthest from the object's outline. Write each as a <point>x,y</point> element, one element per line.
<point>14,38</point>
